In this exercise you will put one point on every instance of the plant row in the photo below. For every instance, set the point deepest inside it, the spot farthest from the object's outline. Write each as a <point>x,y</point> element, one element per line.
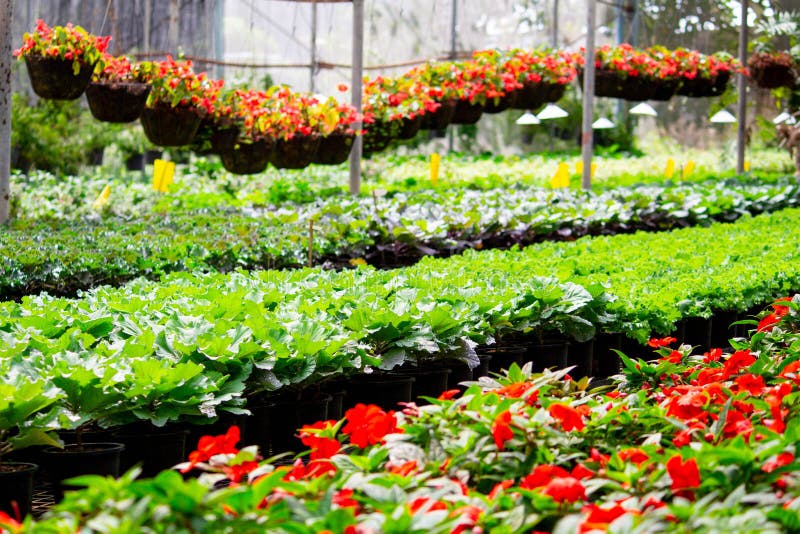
<point>384,231</point>
<point>686,443</point>
<point>194,346</point>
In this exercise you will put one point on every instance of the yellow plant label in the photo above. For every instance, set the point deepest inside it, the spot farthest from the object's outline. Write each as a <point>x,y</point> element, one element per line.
<point>669,170</point>
<point>688,168</point>
<point>163,174</point>
<point>102,198</point>
<point>435,161</point>
<point>579,168</point>
<point>746,166</point>
<point>561,177</point>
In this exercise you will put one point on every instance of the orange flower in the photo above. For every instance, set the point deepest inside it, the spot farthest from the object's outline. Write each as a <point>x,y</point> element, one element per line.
<point>569,417</point>
<point>501,429</point>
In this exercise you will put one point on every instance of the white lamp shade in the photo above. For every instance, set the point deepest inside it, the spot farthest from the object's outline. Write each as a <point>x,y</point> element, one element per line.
<point>723,117</point>
<point>602,124</point>
<point>644,109</point>
<point>551,111</point>
<point>784,118</point>
<point>528,119</point>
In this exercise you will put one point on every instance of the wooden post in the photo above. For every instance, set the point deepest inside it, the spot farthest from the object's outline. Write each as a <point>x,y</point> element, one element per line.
<point>741,140</point>
<point>357,81</point>
<point>587,138</point>
<point>6,20</point>
<point>173,29</point>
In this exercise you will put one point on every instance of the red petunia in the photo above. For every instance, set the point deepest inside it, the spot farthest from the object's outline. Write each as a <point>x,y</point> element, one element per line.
<point>368,425</point>
<point>684,475</point>
<point>501,429</point>
<point>569,417</point>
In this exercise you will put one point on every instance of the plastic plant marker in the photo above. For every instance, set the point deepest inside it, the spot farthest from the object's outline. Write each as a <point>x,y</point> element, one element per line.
<point>102,198</point>
<point>168,177</point>
<point>687,169</point>
<point>561,177</point>
<point>579,167</point>
<point>669,170</point>
<point>746,165</point>
<point>435,160</point>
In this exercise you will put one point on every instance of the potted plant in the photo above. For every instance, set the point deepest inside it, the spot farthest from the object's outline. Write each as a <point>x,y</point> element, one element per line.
<point>61,59</point>
<point>542,74</point>
<point>299,126</point>
<point>26,415</point>
<point>624,72</point>
<point>702,75</point>
<point>246,149</point>
<point>117,92</point>
<point>771,69</point>
<point>177,102</point>
<point>334,148</point>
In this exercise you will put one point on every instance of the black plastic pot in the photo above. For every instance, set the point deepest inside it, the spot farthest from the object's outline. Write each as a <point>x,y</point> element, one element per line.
<point>16,487</point>
<point>459,372</point>
<point>549,353</point>
<point>483,366</point>
<point>581,355</point>
<point>409,128</point>
<point>554,91</point>
<point>610,84</point>
<point>385,390</point>
<point>295,153</point>
<point>467,113</point>
<point>773,76</point>
<point>531,96</point>
<point>664,89</point>
<point>504,354</point>
<point>71,461</point>
<point>441,118</point>
<point>117,102</point>
<point>429,380</point>
<point>334,149</point>
<point>274,424</point>
<point>605,362</point>
<point>722,329</point>
<point>168,126</point>
<point>702,87</point>
<point>695,331</point>
<point>55,79</point>
<point>379,135</point>
<point>247,157</point>
<point>156,449</point>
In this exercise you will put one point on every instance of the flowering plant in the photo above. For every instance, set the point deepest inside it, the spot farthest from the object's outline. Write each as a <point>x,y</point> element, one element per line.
<point>543,65</point>
<point>118,69</point>
<point>682,443</point>
<point>69,42</point>
<point>174,83</point>
<point>627,62</point>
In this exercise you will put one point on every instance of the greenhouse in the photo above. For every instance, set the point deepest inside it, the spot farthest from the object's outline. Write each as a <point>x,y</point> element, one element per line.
<point>430,266</point>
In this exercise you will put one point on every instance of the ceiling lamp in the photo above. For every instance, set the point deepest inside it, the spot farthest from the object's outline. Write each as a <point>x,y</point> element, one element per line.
<point>644,109</point>
<point>723,117</point>
<point>784,118</point>
<point>528,119</point>
<point>602,124</point>
<point>551,111</point>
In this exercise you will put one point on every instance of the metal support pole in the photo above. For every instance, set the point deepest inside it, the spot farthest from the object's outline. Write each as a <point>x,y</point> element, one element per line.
<point>6,20</point>
<point>312,82</point>
<point>587,139</point>
<point>742,88</point>
<point>551,128</point>
<point>453,23</point>
<point>173,30</point>
<point>357,81</point>
<point>620,38</point>
<point>148,16</point>
<point>219,38</point>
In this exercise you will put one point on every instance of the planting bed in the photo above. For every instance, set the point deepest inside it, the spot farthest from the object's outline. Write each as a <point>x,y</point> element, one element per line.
<point>689,442</point>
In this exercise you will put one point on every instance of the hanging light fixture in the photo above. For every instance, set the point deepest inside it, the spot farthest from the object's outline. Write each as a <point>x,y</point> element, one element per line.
<point>784,118</point>
<point>551,111</point>
<point>528,119</point>
<point>644,109</point>
<point>723,117</point>
<point>603,124</point>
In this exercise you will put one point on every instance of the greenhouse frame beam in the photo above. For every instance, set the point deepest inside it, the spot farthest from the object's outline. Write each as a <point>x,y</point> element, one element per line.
<point>741,130</point>
<point>587,134</point>
<point>6,19</point>
<point>357,81</point>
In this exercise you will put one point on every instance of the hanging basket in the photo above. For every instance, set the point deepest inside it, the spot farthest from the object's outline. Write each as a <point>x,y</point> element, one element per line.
<point>247,157</point>
<point>168,126</point>
<point>295,153</point>
<point>500,104</point>
<point>608,83</point>
<point>117,102</point>
<point>664,89</point>
<point>441,118</point>
<point>702,87</point>
<point>467,113</point>
<point>773,76</point>
<point>379,135</point>
<point>335,148</point>
<point>554,91</point>
<point>55,79</point>
<point>531,96</point>
<point>409,127</point>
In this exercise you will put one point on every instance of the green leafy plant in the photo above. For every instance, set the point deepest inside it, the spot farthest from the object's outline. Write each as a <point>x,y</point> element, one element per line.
<point>26,414</point>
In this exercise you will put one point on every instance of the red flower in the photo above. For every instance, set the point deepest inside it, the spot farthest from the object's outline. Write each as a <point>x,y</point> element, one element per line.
<point>712,356</point>
<point>468,516</point>
<point>367,425</point>
<point>753,384</point>
<point>580,472</point>
<point>501,429</point>
<point>499,488</point>
<point>321,448</point>
<point>634,455</point>
<point>342,87</point>
<point>9,523</point>
<point>768,323</point>
<point>344,499</point>
<point>519,390</point>
<point>784,458</point>
<point>569,417</point>
<point>598,519</point>
<point>404,469</point>
<point>237,472</point>
<point>541,475</point>
<point>738,361</point>
<point>684,475</point>
<point>449,394</point>
<point>675,357</point>
<point>210,446</point>
<point>663,342</point>
<point>427,503</point>
<point>565,489</point>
